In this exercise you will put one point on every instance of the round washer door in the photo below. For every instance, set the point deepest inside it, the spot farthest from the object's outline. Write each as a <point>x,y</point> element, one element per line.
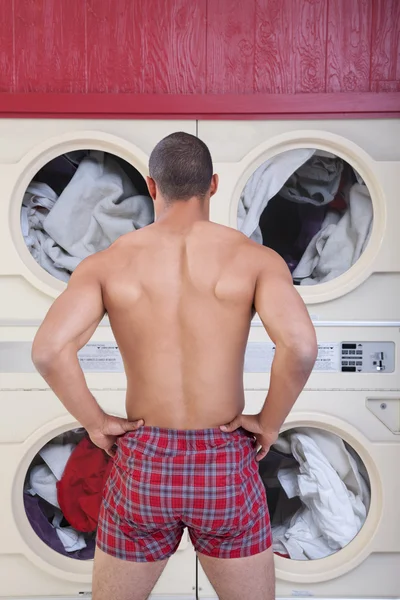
<point>93,175</point>
<point>358,549</point>
<point>307,221</point>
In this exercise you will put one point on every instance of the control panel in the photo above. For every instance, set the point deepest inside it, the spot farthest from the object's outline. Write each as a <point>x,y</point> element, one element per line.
<point>367,357</point>
<point>333,357</point>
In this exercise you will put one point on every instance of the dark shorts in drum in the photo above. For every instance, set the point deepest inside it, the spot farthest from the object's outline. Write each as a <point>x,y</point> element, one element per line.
<point>164,480</point>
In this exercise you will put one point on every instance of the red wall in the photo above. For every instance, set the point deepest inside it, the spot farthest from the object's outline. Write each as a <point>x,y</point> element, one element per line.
<point>277,47</point>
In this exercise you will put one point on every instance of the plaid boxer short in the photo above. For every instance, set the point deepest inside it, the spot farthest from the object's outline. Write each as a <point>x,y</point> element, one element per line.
<point>164,480</point>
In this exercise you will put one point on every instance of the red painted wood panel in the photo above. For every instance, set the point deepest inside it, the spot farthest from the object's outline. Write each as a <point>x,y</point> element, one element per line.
<point>290,46</point>
<point>50,46</point>
<point>114,49</point>
<point>230,46</point>
<point>309,26</point>
<point>385,87</point>
<point>201,105</point>
<point>349,45</point>
<point>385,42</point>
<point>274,59</point>
<point>6,46</point>
<point>174,46</point>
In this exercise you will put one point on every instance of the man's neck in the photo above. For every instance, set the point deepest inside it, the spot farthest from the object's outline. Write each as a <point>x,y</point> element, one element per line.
<point>182,214</point>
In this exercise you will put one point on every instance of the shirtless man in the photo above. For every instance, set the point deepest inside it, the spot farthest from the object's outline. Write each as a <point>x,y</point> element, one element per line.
<point>180,295</point>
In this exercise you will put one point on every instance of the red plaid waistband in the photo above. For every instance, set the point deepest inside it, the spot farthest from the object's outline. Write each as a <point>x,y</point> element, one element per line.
<point>161,438</point>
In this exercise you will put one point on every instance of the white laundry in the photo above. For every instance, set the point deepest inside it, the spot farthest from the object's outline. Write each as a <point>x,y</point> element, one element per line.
<point>98,205</point>
<point>283,444</point>
<point>300,538</point>
<point>360,180</point>
<point>340,242</point>
<point>71,539</point>
<point>56,457</point>
<point>333,513</point>
<point>43,483</point>
<point>38,200</point>
<point>346,462</point>
<point>263,185</point>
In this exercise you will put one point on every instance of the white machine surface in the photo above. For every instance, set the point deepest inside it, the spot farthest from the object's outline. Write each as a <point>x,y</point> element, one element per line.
<point>354,391</point>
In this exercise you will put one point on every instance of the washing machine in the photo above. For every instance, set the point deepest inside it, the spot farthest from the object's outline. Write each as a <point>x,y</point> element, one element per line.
<point>274,160</point>
<point>353,395</point>
<point>38,160</point>
<point>354,311</point>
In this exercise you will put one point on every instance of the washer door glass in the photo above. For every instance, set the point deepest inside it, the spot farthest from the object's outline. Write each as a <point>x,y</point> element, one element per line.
<point>312,208</point>
<point>318,492</point>
<point>78,204</point>
<point>63,492</point>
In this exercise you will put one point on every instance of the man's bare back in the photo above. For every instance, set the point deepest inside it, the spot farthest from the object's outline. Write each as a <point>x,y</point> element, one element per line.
<point>180,299</point>
<point>180,305</point>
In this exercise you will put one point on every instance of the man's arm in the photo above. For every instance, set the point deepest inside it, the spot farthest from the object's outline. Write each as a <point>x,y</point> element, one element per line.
<point>68,326</point>
<point>289,326</point>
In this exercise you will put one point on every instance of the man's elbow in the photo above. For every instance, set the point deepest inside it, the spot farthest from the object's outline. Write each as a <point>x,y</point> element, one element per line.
<point>306,351</point>
<point>41,360</point>
<point>301,350</point>
<point>43,357</point>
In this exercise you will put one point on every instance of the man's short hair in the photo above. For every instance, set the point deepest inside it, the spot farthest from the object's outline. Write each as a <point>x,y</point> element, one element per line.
<point>181,166</point>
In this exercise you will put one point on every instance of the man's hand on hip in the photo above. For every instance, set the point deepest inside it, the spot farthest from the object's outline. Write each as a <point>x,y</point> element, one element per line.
<point>251,423</point>
<point>106,435</point>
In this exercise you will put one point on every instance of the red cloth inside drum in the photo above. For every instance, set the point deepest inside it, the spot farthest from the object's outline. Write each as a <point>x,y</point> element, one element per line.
<point>79,491</point>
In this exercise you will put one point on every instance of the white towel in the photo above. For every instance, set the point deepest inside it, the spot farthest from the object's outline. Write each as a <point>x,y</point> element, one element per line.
<point>263,185</point>
<point>98,205</point>
<point>340,242</point>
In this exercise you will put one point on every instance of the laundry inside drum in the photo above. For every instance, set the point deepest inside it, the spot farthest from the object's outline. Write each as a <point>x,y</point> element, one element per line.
<point>312,208</point>
<point>318,493</point>
<point>78,204</point>
<point>63,492</point>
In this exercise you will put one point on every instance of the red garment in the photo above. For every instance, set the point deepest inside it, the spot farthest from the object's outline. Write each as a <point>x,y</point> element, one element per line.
<point>166,479</point>
<point>80,490</point>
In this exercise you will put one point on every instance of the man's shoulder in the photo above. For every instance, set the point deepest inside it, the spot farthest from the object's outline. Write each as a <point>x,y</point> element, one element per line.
<point>123,246</point>
<point>216,230</point>
<point>92,265</point>
<point>253,252</point>
<point>264,260</point>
